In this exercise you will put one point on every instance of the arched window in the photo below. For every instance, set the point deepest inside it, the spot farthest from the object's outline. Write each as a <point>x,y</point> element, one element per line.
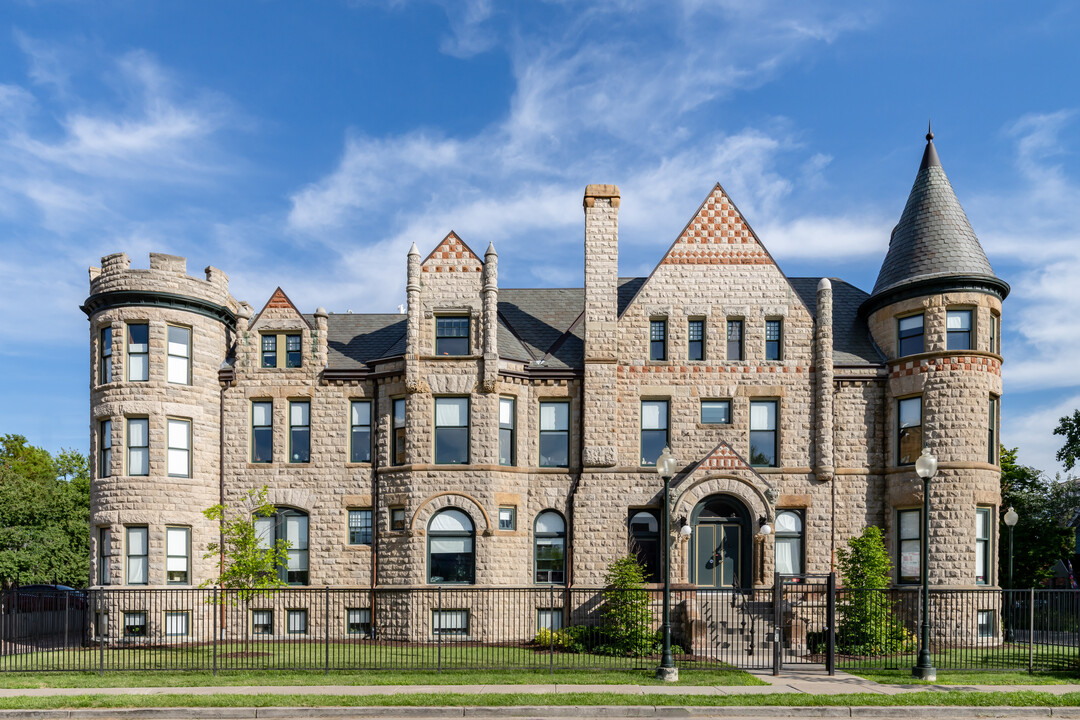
<point>645,542</point>
<point>550,548</point>
<point>451,548</point>
<point>789,542</point>
<point>290,525</point>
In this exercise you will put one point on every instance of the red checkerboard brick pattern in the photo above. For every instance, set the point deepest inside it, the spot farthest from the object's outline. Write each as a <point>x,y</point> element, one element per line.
<point>452,255</point>
<point>718,235</point>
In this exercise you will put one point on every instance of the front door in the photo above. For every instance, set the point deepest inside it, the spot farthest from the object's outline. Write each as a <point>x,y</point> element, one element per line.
<point>717,550</point>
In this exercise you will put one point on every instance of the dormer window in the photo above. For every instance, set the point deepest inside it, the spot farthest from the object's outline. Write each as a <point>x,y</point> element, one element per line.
<point>910,335</point>
<point>452,335</point>
<point>272,343</point>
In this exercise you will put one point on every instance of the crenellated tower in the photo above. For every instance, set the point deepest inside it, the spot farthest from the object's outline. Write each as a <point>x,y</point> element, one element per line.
<point>157,340</point>
<point>935,313</point>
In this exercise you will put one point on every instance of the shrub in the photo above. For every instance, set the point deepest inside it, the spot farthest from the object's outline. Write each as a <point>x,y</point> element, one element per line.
<point>626,612</point>
<point>567,639</point>
<point>868,624</point>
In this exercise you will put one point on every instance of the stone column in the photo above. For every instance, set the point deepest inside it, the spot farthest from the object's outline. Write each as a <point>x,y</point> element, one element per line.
<point>823,351</point>
<point>601,324</point>
<point>320,340</point>
<point>412,331</point>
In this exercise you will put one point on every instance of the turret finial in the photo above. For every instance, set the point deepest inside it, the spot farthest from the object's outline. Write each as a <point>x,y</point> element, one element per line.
<point>929,132</point>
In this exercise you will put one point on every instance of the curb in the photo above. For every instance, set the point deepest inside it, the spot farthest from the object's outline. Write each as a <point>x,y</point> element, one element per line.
<point>526,711</point>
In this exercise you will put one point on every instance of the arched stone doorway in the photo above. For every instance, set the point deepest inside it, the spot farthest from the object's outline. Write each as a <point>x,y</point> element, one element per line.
<point>721,546</point>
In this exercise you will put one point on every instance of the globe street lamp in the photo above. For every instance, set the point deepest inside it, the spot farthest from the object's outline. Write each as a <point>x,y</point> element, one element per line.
<point>925,467</point>
<point>1010,520</point>
<point>667,466</point>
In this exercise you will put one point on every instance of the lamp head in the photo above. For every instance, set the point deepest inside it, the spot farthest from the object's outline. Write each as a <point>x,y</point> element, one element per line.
<point>926,465</point>
<point>666,464</point>
<point>764,528</point>
<point>686,531</point>
<point>1011,517</point>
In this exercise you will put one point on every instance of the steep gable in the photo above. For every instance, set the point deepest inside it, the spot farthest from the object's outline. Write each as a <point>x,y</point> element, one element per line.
<point>452,255</point>
<point>279,307</point>
<point>717,235</point>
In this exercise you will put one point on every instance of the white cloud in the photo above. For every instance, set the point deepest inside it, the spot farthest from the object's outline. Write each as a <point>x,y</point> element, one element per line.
<point>1033,432</point>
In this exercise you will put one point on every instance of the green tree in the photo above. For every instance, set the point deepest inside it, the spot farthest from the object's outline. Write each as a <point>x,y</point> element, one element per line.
<point>246,565</point>
<point>44,515</point>
<point>868,624</point>
<point>1069,428</point>
<point>1040,536</point>
<point>628,620</point>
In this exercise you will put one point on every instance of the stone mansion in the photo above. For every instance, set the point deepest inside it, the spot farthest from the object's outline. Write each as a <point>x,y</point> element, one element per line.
<point>501,436</point>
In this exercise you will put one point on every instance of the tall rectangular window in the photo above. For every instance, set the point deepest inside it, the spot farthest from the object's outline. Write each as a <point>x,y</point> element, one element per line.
<point>909,546</point>
<point>360,527</point>
<point>360,431</point>
<point>554,434</point>
<point>763,433</point>
<point>958,329</point>
<point>397,519</point>
<point>991,432</point>
<point>179,456</point>
<point>789,542</point>
<point>982,546</point>
<point>654,430</point>
<point>105,448</point>
<point>138,446</point>
<point>262,431</point>
<point>508,518</point>
<point>292,351</point>
<point>995,330</point>
<point>773,331</point>
<point>715,412</point>
<point>269,351</point>
<point>658,340</point>
<point>178,555</point>
<point>138,352</point>
<point>695,349</point>
<point>105,353</point>
<point>136,546</point>
<point>451,431</point>
<point>178,364</point>
<point>910,335</point>
<point>734,339</point>
<point>104,568</point>
<point>399,432</point>
<point>909,430</point>
<point>299,431</point>
<point>452,336</point>
<point>507,434</point>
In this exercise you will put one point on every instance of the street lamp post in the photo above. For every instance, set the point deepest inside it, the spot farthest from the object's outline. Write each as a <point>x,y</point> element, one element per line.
<point>1010,520</point>
<point>925,466</point>
<point>666,466</point>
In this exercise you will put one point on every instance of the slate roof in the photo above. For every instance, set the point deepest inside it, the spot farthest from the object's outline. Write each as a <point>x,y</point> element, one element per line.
<point>933,238</point>
<point>852,344</point>
<point>545,324</point>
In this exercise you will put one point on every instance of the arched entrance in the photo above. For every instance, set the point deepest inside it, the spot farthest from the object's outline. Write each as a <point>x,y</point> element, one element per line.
<point>722,543</point>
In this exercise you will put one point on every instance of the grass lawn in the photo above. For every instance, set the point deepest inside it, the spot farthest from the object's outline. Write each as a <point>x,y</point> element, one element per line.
<point>719,676</point>
<point>981,699</point>
<point>971,677</point>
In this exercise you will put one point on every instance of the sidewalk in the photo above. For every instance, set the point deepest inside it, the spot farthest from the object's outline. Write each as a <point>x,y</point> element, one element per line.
<point>810,682</point>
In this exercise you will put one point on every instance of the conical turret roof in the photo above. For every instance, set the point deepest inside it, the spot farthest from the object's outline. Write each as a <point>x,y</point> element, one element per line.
<point>933,243</point>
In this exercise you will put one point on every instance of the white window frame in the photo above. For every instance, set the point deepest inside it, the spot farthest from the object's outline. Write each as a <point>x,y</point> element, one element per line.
<point>177,561</point>
<point>178,458</point>
<point>136,561</point>
<point>139,351</point>
<point>357,409</point>
<point>135,451</point>
<point>178,358</point>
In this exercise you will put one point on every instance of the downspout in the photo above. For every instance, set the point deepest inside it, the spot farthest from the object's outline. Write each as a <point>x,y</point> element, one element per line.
<point>574,488</point>
<point>221,488</point>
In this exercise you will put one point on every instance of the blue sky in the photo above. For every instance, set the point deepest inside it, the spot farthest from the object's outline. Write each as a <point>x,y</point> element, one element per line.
<point>308,144</point>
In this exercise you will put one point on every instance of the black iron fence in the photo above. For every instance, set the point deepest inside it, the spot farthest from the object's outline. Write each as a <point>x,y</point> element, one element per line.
<point>800,620</point>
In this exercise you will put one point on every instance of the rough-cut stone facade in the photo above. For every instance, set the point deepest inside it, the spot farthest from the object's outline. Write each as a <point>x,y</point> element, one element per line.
<point>836,385</point>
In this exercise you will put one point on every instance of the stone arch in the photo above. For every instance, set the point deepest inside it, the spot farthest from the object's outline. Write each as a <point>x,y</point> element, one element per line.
<point>746,491</point>
<point>433,503</point>
<point>298,498</point>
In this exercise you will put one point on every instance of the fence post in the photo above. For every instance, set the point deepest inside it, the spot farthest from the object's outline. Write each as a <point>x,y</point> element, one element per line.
<point>101,634</point>
<point>551,634</point>
<point>217,609</point>
<point>326,625</point>
<point>439,634</point>
<point>778,630</point>
<point>830,633</point>
<point>1031,631</point>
